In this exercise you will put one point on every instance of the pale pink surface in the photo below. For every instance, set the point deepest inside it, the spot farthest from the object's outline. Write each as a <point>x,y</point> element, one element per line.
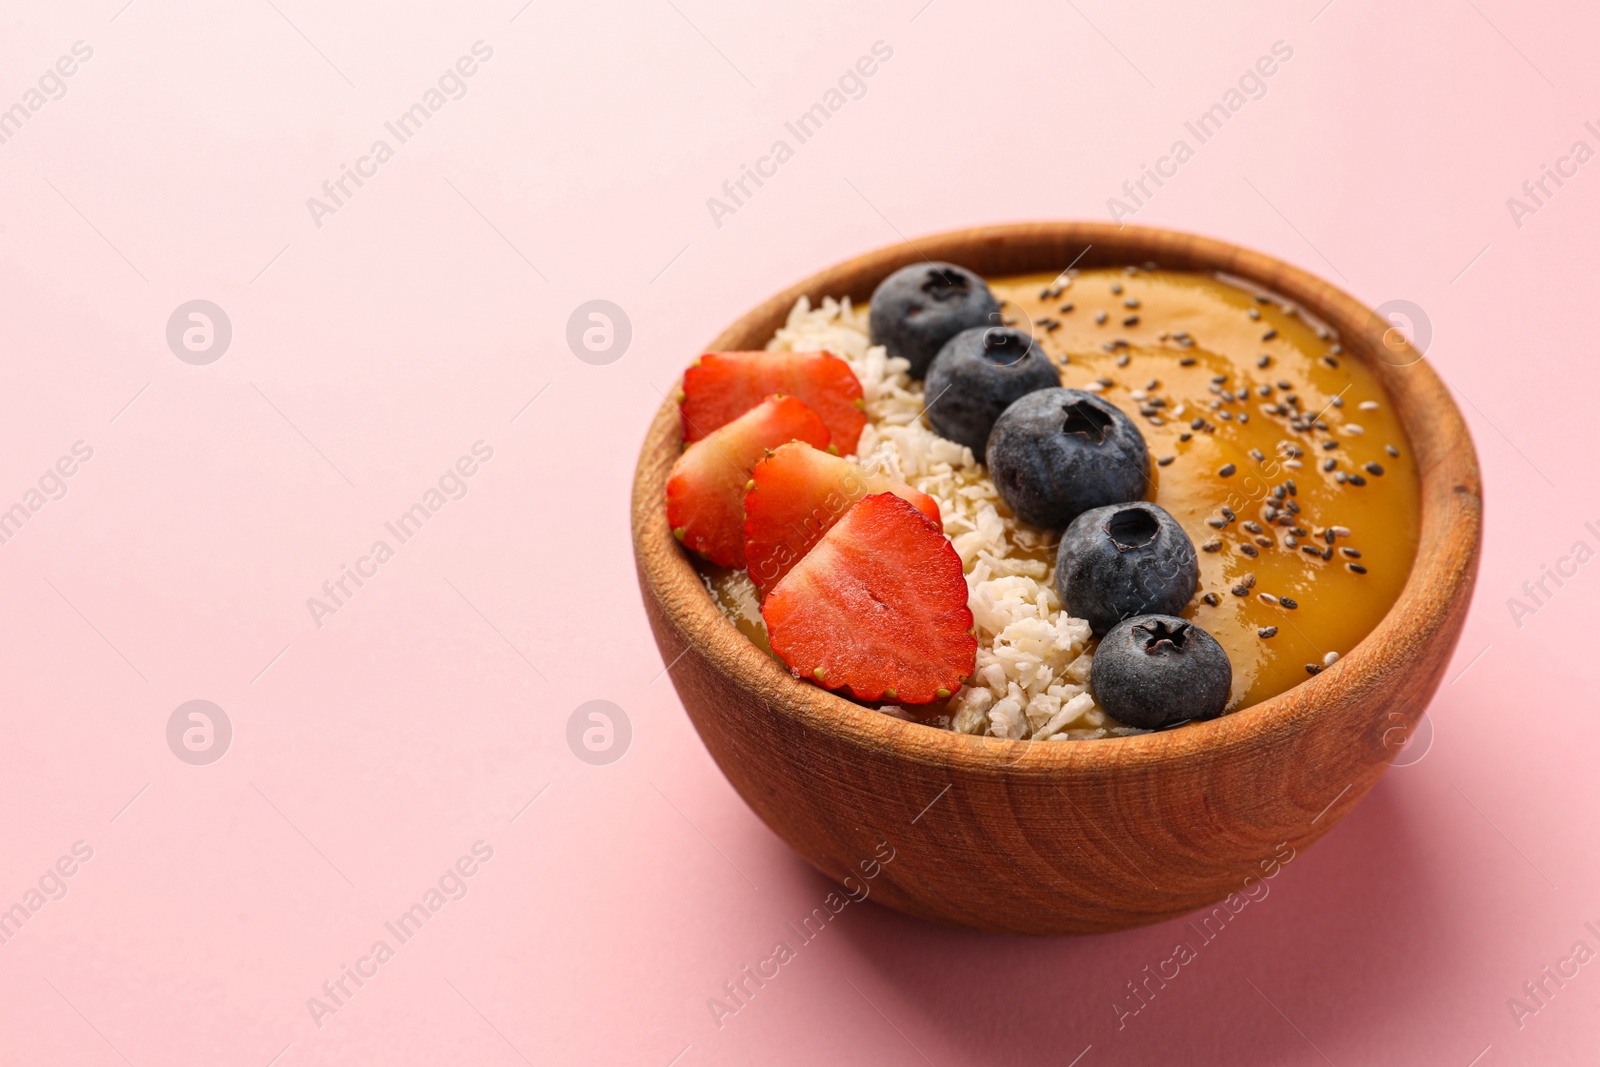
<point>428,711</point>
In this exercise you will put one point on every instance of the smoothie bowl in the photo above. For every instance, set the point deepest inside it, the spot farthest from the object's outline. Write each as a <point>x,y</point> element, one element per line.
<point>1094,570</point>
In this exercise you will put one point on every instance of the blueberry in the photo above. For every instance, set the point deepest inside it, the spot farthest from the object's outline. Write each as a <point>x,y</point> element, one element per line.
<point>1056,453</point>
<point>1125,560</point>
<point>918,308</point>
<point>976,376</point>
<point>1154,671</point>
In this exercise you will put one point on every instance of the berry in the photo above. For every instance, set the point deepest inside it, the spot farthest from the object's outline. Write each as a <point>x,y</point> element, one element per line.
<point>1155,671</point>
<point>1124,560</point>
<point>977,375</point>
<point>721,386</point>
<point>1056,453</point>
<point>705,492</point>
<point>879,604</point>
<point>795,495</point>
<point>918,308</point>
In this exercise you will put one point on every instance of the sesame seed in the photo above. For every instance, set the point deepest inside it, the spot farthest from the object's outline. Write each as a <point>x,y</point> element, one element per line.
<point>1226,471</point>
<point>1252,526</point>
<point>1164,460</point>
<point>1255,454</point>
<point>1213,545</point>
<point>1250,550</point>
<point>1357,480</point>
<point>1293,464</point>
<point>1131,320</point>
<point>1241,590</point>
<point>1330,445</point>
<point>1340,531</point>
<point>1254,313</point>
<point>1107,382</point>
<point>1293,490</point>
<point>1355,568</point>
<point>1263,390</point>
<point>1066,308</point>
<point>1262,298</point>
<point>1313,668</point>
<point>1187,361</point>
<point>1269,335</point>
<point>1131,302</point>
<point>1330,659</point>
<point>1266,632</point>
<point>1228,513</point>
<point>1244,416</point>
<point>1116,288</point>
<point>1289,540</point>
<point>1248,581</point>
<point>1353,553</point>
<point>1368,405</point>
<point>1212,599</point>
<point>1196,423</point>
<point>1122,360</point>
<point>1329,464</point>
<point>1374,469</point>
<point>1355,429</point>
<point>1216,523</point>
<point>1331,362</point>
<point>1337,401</point>
<point>1393,451</point>
<point>1264,542</point>
<point>1268,598</point>
<point>1286,602</point>
<point>1264,362</point>
<point>1100,318</point>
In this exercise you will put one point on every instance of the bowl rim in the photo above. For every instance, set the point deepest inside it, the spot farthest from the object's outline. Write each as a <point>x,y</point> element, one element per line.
<point>1433,424</point>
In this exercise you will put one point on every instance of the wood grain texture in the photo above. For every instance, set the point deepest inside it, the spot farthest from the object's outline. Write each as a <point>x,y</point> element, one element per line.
<point>1083,836</point>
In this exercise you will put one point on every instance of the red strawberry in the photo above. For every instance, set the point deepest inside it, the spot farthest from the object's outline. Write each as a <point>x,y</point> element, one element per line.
<point>796,494</point>
<point>721,386</point>
<point>705,494</point>
<point>878,606</point>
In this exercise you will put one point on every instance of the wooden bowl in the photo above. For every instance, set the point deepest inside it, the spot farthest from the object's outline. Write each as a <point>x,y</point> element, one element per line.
<point>1081,836</point>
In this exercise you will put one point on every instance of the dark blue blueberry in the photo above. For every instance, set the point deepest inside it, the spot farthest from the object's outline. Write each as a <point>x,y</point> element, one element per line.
<point>1056,453</point>
<point>918,308</point>
<point>1154,671</point>
<point>1125,560</point>
<point>977,375</point>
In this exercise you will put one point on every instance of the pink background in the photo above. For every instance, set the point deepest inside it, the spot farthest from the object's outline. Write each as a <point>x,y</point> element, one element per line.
<point>369,353</point>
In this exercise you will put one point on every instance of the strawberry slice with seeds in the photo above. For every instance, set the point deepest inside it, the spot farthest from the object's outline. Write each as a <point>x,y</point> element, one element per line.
<point>877,607</point>
<point>796,495</point>
<point>721,386</point>
<point>705,492</point>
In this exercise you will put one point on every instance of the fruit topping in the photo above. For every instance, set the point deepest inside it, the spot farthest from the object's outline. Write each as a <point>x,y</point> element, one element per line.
<point>977,375</point>
<point>705,492</point>
<point>1056,453</point>
<point>796,495</point>
<point>1155,671</point>
<point>879,604</point>
<point>1124,560</point>
<point>918,308</point>
<point>721,386</point>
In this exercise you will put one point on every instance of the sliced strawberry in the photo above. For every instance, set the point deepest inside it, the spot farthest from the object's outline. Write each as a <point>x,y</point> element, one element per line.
<point>796,494</point>
<point>721,386</point>
<point>705,493</point>
<point>878,606</point>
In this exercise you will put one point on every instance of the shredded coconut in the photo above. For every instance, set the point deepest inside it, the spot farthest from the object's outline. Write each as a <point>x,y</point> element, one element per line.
<point>1032,674</point>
